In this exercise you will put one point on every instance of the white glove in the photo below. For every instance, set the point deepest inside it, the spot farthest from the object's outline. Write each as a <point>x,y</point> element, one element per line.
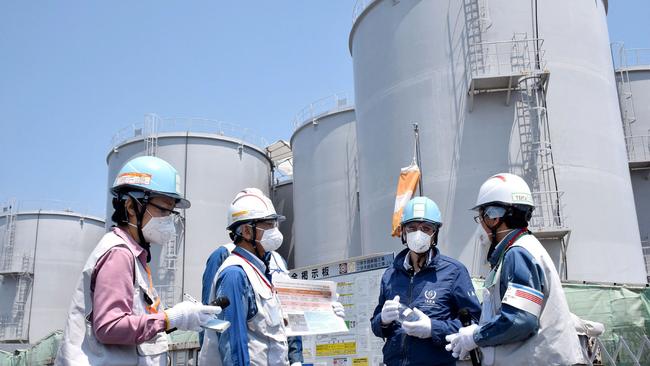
<point>339,310</point>
<point>390,311</point>
<point>420,328</point>
<point>188,315</point>
<point>296,364</point>
<point>461,343</point>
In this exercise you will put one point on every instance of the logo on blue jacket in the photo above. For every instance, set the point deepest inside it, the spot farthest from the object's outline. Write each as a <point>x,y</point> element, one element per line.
<point>429,297</point>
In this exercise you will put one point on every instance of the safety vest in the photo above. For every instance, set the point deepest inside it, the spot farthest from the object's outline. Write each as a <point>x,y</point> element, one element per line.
<point>267,340</point>
<point>556,342</point>
<point>79,345</point>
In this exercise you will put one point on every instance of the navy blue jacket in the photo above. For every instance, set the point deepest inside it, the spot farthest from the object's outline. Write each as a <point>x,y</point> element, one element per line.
<point>439,290</point>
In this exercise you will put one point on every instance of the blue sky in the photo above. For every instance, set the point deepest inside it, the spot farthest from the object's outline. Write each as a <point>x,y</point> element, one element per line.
<point>72,75</point>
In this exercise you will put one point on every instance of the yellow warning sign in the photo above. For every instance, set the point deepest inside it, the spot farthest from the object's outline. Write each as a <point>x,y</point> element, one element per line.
<point>363,361</point>
<point>336,349</point>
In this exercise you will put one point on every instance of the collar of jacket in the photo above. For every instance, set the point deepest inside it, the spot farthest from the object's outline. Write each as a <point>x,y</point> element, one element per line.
<point>398,263</point>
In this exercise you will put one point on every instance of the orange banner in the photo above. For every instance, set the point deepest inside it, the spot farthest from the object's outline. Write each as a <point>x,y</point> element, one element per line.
<point>408,182</point>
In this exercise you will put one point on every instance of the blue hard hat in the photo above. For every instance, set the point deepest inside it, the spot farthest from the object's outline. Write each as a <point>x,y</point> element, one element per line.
<point>150,174</point>
<point>421,209</point>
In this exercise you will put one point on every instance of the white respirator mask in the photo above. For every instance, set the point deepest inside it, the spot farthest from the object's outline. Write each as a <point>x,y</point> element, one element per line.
<point>159,230</point>
<point>418,241</point>
<point>271,239</point>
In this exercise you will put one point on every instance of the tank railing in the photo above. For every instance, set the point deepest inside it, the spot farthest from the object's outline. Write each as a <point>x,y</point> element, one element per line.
<point>320,107</point>
<point>190,124</point>
<point>645,247</point>
<point>506,58</point>
<point>629,57</point>
<point>638,148</point>
<point>549,211</point>
<point>359,7</point>
<point>49,205</point>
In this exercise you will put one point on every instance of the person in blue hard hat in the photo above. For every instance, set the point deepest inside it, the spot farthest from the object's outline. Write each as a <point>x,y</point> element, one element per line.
<point>525,318</point>
<point>116,316</point>
<point>421,293</point>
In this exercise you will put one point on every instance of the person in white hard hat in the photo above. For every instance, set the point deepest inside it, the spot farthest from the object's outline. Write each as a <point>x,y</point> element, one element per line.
<point>256,335</point>
<point>525,318</point>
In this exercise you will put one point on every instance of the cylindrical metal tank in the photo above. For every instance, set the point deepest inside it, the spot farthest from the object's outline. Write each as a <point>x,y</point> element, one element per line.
<point>43,254</point>
<point>282,197</point>
<point>415,61</point>
<point>634,92</point>
<point>213,168</point>
<point>326,212</point>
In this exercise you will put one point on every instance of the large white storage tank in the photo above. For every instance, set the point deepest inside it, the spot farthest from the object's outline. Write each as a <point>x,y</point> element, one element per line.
<point>213,168</point>
<point>633,79</point>
<point>325,198</point>
<point>43,253</point>
<point>454,68</point>
<point>282,197</point>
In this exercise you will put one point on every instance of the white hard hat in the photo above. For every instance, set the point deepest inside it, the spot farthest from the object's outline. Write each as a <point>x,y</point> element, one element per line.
<point>250,204</point>
<point>505,189</point>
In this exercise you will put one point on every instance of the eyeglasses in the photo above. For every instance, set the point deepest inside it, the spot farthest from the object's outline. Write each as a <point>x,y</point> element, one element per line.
<point>424,227</point>
<point>268,224</point>
<point>165,211</point>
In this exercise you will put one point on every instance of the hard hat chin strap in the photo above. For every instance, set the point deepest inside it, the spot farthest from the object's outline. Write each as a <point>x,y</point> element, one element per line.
<point>139,215</point>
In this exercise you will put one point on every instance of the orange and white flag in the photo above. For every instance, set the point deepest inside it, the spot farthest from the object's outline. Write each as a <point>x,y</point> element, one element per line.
<point>409,178</point>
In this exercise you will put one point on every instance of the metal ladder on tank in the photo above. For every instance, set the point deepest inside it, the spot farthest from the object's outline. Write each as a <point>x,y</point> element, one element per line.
<point>538,167</point>
<point>151,122</point>
<point>626,104</point>
<point>171,258</point>
<point>477,21</point>
<point>24,285</point>
<point>9,236</point>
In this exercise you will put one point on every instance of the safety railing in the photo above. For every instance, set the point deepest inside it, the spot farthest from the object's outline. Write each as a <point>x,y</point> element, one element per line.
<point>506,58</point>
<point>629,57</point>
<point>190,124</point>
<point>49,205</point>
<point>549,211</point>
<point>320,107</point>
<point>638,148</point>
<point>359,7</point>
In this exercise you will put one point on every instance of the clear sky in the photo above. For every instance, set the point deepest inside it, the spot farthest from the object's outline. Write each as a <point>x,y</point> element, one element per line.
<point>73,73</point>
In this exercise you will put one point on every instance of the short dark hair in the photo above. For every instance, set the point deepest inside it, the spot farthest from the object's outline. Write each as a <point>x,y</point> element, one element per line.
<point>517,216</point>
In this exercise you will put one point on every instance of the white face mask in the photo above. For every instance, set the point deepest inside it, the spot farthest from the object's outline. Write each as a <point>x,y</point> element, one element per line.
<point>418,241</point>
<point>483,238</point>
<point>159,230</point>
<point>271,239</point>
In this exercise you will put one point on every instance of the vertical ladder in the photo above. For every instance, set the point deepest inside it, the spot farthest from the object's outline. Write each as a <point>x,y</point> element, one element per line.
<point>626,101</point>
<point>9,236</point>
<point>22,294</point>
<point>474,30</point>
<point>171,257</point>
<point>151,122</point>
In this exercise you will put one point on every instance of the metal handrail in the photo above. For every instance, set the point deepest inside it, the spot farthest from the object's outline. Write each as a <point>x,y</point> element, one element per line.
<point>638,148</point>
<point>359,7</point>
<point>549,210</point>
<point>49,205</point>
<point>504,58</point>
<point>320,107</point>
<point>629,57</point>
<point>190,124</point>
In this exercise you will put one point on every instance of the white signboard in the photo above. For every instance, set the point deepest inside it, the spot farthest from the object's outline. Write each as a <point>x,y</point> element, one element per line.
<point>358,280</point>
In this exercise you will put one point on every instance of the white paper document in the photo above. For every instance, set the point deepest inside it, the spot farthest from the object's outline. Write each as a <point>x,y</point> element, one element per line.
<point>307,307</point>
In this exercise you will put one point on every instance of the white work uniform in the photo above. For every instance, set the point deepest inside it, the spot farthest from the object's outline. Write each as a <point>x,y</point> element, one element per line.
<point>79,345</point>
<point>556,342</point>
<point>267,340</point>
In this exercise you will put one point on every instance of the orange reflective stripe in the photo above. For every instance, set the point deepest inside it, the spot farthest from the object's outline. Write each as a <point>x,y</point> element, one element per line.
<point>153,308</point>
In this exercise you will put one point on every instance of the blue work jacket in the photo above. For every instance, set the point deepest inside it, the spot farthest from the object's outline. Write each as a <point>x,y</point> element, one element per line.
<point>439,290</point>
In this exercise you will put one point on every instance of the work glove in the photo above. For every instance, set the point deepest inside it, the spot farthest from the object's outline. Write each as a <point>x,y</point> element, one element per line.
<point>390,311</point>
<point>296,364</point>
<point>339,310</point>
<point>420,328</point>
<point>189,315</point>
<point>461,343</point>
